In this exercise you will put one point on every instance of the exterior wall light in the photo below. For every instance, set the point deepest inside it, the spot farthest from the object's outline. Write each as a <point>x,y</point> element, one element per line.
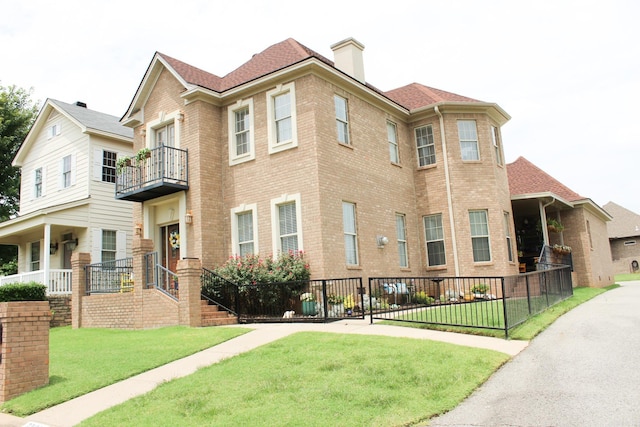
<point>381,241</point>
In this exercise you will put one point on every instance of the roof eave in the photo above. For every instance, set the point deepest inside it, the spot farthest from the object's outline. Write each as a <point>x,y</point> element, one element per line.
<point>543,195</point>
<point>491,108</point>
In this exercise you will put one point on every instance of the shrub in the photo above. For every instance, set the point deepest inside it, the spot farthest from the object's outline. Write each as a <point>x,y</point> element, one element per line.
<point>422,298</point>
<point>31,291</point>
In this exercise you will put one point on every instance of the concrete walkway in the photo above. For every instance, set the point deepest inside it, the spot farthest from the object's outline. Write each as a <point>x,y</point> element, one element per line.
<point>74,411</point>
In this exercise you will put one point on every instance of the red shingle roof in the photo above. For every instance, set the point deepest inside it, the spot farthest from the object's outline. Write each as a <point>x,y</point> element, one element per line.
<point>527,178</point>
<point>289,52</point>
<point>416,95</point>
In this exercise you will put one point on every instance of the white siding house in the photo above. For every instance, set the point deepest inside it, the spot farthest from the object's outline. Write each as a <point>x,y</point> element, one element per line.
<point>67,194</point>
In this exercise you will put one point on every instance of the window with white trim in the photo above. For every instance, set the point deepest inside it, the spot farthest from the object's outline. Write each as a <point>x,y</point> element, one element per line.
<point>109,245</point>
<point>165,135</point>
<point>401,237</point>
<point>37,183</point>
<point>241,131</point>
<point>342,119</point>
<point>434,235</point>
<point>497,146</point>
<point>53,130</point>
<point>507,232</point>
<point>350,233</point>
<point>109,166</point>
<point>425,145</point>
<point>468,135</point>
<point>281,110</point>
<point>480,235</point>
<point>244,228</point>
<point>392,137</point>
<point>34,261</point>
<point>286,224</point>
<point>67,171</point>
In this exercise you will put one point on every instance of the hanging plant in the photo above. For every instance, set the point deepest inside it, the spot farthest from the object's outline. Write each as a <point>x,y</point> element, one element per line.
<point>174,240</point>
<point>554,226</point>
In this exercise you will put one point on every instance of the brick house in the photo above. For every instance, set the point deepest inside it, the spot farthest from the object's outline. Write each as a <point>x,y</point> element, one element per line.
<point>537,197</point>
<point>624,237</point>
<point>293,151</point>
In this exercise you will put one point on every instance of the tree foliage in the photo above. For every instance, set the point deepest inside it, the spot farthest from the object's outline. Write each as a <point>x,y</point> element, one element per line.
<point>17,114</point>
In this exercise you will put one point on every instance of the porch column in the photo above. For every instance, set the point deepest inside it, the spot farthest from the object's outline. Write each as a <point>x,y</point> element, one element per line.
<point>140,248</point>
<point>78,286</point>
<point>189,273</point>
<point>543,218</point>
<point>47,256</point>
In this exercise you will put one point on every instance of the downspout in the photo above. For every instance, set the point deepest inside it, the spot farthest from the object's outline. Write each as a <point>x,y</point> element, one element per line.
<point>452,223</point>
<point>543,215</point>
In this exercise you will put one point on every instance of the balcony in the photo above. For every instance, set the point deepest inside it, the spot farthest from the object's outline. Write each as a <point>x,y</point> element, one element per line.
<point>164,171</point>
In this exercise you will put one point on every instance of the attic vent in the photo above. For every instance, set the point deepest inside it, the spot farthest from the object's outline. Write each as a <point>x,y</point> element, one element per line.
<point>81,104</point>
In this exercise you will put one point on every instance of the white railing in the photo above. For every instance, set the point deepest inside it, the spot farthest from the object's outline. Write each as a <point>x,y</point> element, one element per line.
<point>59,282</point>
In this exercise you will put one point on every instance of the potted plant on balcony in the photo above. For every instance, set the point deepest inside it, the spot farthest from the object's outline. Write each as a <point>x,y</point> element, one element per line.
<point>122,163</point>
<point>309,307</point>
<point>142,155</point>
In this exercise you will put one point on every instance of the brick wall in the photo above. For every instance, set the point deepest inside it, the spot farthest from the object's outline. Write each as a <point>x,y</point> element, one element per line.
<point>24,349</point>
<point>623,255</point>
<point>60,310</point>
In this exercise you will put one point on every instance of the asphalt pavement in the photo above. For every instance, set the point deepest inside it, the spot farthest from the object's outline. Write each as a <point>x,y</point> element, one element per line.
<point>581,371</point>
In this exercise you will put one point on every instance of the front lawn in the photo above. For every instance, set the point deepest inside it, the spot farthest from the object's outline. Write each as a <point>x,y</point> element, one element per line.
<point>83,360</point>
<point>317,379</point>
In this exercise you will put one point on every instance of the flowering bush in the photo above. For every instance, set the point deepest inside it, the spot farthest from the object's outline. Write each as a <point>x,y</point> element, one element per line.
<point>251,269</point>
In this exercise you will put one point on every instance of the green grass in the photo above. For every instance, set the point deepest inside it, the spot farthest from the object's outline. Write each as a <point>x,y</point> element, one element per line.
<point>530,328</point>
<point>317,379</point>
<point>83,360</point>
<point>627,277</point>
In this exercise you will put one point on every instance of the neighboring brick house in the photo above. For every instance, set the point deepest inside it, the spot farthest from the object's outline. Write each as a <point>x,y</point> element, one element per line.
<point>292,151</point>
<point>624,237</point>
<point>68,172</point>
<point>537,196</point>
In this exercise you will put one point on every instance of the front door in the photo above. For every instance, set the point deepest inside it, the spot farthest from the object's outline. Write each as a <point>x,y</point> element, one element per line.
<point>170,246</point>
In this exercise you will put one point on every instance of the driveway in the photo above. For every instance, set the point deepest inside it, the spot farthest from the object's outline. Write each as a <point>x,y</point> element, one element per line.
<point>584,370</point>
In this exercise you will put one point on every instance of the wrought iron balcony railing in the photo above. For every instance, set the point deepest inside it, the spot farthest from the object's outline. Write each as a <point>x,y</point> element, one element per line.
<point>164,171</point>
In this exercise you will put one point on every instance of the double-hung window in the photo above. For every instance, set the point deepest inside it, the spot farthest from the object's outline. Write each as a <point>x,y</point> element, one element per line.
<point>35,256</point>
<point>37,183</point>
<point>401,236</point>
<point>392,137</point>
<point>109,245</point>
<point>244,229</point>
<point>426,146</point>
<point>507,233</point>
<point>480,235</point>
<point>350,233</point>
<point>434,234</point>
<point>286,226</point>
<point>67,171</point>
<point>342,119</point>
<point>495,136</point>
<point>109,166</point>
<point>468,135</point>
<point>281,110</point>
<point>241,140</point>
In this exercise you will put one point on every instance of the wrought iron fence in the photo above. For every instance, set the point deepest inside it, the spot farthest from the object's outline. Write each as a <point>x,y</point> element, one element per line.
<point>109,276</point>
<point>498,303</point>
<point>554,256</point>
<point>159,277</point>
<point>308,300</point>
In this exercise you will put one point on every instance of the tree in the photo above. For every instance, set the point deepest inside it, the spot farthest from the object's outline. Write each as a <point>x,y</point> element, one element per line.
<point>17,114</point>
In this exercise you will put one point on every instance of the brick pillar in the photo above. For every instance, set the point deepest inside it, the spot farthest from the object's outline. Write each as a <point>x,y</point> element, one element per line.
<point>24,347</point>
<point>189,272</point>
<point>140,248</point>
<point>78,286</point>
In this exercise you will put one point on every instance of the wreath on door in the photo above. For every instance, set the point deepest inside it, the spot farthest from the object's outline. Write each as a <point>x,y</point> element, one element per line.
<point>174,240</point>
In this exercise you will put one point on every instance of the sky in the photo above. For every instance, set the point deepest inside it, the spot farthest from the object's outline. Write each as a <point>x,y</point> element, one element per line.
<point>567,72</point>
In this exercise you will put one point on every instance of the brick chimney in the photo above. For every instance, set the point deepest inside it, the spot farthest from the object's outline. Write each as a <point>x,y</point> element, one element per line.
<point>347,57</point>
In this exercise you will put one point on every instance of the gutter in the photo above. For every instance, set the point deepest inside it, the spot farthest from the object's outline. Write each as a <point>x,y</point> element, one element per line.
<point>452,223</point>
